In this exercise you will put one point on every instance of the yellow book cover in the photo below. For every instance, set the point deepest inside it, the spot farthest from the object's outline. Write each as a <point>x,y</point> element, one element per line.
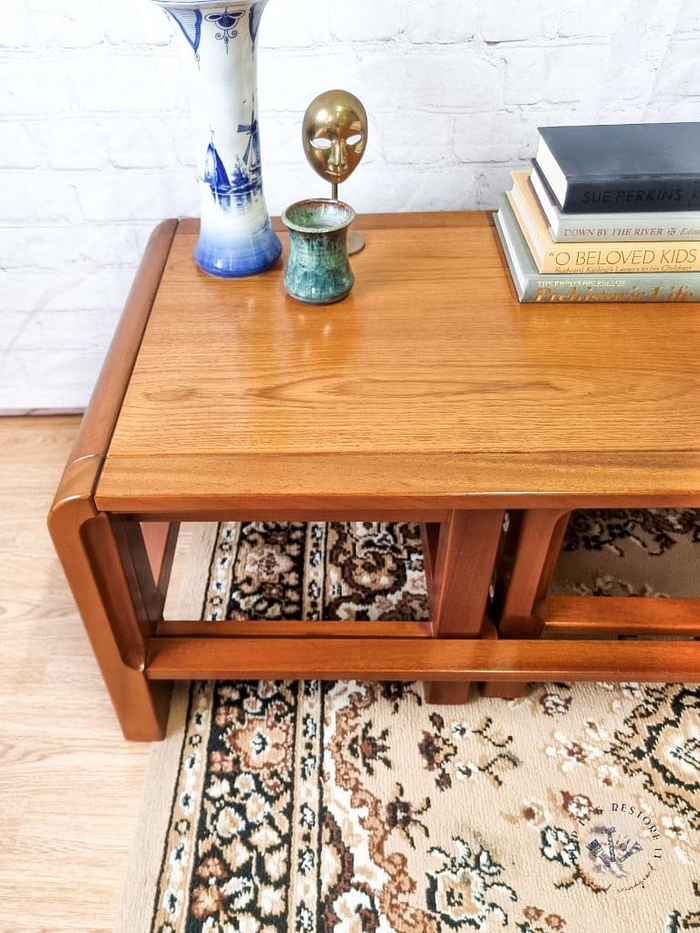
<point>570,258</point>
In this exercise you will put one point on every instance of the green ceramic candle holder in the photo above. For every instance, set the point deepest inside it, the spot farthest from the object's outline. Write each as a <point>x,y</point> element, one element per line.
<point>318,271</point>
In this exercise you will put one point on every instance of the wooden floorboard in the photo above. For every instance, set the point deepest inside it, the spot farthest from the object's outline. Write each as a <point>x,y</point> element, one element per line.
<point>70,786</point>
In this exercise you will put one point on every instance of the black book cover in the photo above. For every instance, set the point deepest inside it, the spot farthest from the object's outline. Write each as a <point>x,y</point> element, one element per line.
<point>627,167</point>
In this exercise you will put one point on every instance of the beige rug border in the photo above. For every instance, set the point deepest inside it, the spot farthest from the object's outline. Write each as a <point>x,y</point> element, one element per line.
<point>143,867</point>
<point>138,893</point>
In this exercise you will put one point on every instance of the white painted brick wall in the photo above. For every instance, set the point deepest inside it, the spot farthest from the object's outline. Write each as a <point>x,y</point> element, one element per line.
<point>95,146</point>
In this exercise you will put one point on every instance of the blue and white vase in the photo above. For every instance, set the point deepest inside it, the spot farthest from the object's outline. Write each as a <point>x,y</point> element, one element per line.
<point>236,237</point>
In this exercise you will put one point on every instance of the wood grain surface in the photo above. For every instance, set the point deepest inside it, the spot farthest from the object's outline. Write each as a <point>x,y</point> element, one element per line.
<point>622,615</point>
<point>70,785</point>
<point>429,369</point>
<point>433,659</point>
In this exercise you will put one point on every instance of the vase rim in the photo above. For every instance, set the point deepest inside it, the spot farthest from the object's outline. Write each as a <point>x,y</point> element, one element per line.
<point>347,215</point>
<point>206,4</point>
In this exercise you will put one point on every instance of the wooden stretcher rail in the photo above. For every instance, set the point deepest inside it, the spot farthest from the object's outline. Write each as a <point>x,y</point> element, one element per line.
<point>296,629</point>
<point>434,659</point>
<point>624,615</point>
<point>283,513</point>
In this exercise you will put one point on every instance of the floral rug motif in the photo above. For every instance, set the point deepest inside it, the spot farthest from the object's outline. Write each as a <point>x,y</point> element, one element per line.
<point>631,552</point>
<point>312,570</point>
<point>346,806</point>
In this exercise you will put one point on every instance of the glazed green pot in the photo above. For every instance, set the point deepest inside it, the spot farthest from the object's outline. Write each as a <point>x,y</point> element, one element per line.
<point>318,271</point>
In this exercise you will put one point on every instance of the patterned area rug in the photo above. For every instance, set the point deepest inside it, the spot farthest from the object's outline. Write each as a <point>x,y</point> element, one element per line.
<point>631,552</point>
<point>313,807</point>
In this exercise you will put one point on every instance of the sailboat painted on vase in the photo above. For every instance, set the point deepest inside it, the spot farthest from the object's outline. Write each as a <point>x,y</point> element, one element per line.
<point>236,237</point>
<point>245,179</point>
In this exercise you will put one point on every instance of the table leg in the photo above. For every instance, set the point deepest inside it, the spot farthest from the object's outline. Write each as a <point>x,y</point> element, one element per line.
<point>112,600</point>
<point>527,564</point>
<point>537,545</point>
<point>463,569</point>
<point>91,558</point>
<point>159,540</point>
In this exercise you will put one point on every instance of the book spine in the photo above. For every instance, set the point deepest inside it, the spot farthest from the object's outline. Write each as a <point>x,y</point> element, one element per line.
<point>646,257</point>
<point>576,230</point>
<point>632,195</point>
<point>534,287</point>
<point>545,290</point>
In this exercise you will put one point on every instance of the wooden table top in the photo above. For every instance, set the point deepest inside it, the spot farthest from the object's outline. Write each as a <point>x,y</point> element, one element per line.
<point>428,384</point>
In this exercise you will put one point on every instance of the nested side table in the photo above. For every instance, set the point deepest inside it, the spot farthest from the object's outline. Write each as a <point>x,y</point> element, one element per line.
<point>525,608</point>
<point>428,395</point>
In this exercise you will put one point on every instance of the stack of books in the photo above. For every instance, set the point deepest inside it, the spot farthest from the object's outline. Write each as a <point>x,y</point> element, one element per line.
<point>607,213</point>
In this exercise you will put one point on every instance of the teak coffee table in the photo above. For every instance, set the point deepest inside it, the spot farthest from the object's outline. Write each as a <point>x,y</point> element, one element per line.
<point>428,395</point>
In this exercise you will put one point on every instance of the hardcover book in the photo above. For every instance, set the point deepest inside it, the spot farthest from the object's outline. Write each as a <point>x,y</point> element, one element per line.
<point>533,286</point>
<point>646,256</point>
<point>624,167</point>
<point>643,225</point>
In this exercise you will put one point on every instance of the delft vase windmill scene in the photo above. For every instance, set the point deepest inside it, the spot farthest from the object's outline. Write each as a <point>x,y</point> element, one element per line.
<point>236,237</point>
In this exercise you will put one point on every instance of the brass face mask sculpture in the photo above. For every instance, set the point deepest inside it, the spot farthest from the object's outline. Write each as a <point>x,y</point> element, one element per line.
<point>334,133</point>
